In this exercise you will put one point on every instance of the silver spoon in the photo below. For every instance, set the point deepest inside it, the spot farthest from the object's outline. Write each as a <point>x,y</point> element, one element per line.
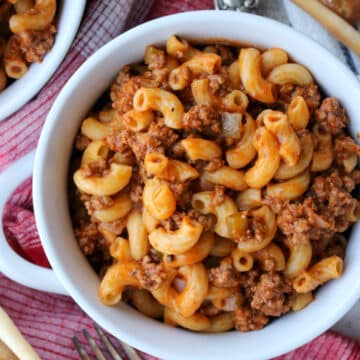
<point>274,8</point>
<point>239,5</point>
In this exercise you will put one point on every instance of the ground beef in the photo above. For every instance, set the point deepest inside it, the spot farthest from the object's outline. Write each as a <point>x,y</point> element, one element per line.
<point>95,168</point>
<point>275,204</point>
<point>336,246</point>
<point>231,303</point>
<point>331,115</point>
<point>218,84</point>
<point>214,165</point>
<point>98,203</point>
<point>87,237</point>
<point>207,221</point>
<point>272,295</point>
<point>227,56</point>
<point>123,77</point>
<point>247,319</point>
<point>218,195</point>
<point>93,245</point>
<point>209,309</point>
<point>224,275</point>
<point>82,196</point>
<point>136,192</point>
<point>139,144</point>
<point>202,119</point>
<point>328,189</point>
<point>161,78</point>
<point>82,142</point>
<point>345,147</point>
<point>12,52</point>
<point>249,279</point>
<point>36,44</point>
<point>157,59</point>
<point>355,176</point>
<point>183,200</point>
<point>255,231</point>
<point>332,195</point>
<point>127,157</point>
<point>296,220</point>
<point>116,226</point>
<point>162,133</point>
<point>178,190</point>
<point>265,260</point>
<point>186,97</point>
<point>125,87</point>
<point>323,211</point>
<point>119,142</point>
<point>177,151</point>
<point>310,93</point>
<point>174,221</point>
<point>151,275</point>
<point>155,255</point>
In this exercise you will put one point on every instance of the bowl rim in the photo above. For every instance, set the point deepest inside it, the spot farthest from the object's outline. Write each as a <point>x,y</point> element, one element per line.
<point>39,198</point>
<point>40,73</point>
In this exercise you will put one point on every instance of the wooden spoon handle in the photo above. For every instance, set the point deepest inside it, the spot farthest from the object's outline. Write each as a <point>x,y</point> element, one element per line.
<point>12,338</point>
<point>336,25</point>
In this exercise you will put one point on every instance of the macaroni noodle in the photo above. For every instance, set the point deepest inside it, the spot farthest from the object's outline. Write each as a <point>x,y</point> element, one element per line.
<point>251,77</point>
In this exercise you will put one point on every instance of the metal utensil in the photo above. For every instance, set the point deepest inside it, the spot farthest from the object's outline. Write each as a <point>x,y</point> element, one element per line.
<point>131,353</point>
<point>239,5</point>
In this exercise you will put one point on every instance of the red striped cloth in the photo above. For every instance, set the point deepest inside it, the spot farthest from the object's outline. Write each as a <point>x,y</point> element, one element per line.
<point>49,321</point>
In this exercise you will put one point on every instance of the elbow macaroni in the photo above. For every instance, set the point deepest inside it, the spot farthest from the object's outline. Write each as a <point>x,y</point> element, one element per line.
<point>298,113</point>
<point>323,155</point>
<point>277,123</point>
<point>268,160</point>
<point>198,64</point>
<point>121,207</point>
<point>138,236</point>
<point>290,74</point>
<point>244,151</point>
<point>268,218</point>
<point>178,241</point>
<point>299,259</point>
<point>323,271</point>
<point>158,199</point>
<point>163,101</point>
<point>286,171</point>
<point>201,149</point>
<point>110,184</point>
<point>14,63</point>
<point>272,58</point>
<point>228,177</point>
<point>196,254</point>
<point>27,35</point>
<point>38,18</point>
<point>290,189</point>
<point>251,77</point>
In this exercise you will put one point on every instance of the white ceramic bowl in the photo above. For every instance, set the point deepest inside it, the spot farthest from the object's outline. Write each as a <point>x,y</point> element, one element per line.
<point>51,204</point>
<point>21,91</point>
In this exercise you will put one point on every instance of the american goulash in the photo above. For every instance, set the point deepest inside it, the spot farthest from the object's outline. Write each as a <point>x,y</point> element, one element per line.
<point>212,186</point>
<point>26,35</point>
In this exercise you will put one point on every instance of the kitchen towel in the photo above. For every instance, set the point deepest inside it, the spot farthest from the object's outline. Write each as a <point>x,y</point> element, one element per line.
<point>49,321</point>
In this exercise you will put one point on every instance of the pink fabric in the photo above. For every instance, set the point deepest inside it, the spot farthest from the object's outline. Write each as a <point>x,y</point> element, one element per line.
<point>49,321</point>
